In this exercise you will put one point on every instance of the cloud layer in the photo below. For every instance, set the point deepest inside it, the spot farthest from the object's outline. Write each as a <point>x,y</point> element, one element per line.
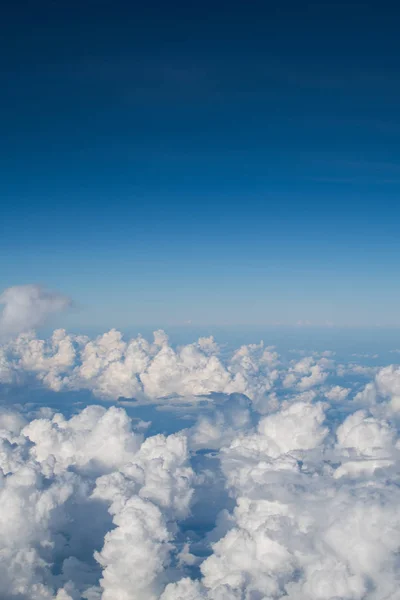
<point>92,510</point>
<point>283,485</point>
<point>113,368</point>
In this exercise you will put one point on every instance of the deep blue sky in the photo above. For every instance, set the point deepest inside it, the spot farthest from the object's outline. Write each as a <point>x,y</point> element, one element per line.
<point>219,162</point>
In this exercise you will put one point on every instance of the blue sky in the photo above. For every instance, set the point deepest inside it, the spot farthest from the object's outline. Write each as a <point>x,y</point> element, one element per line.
<point>229,164</point>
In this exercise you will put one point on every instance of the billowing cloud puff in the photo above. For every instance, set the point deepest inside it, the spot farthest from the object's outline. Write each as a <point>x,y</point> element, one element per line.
<point>27,307</point>
<point>386,385</point>
<point>306,373</point>
<point>232,413</point>
<point>337,393</point>
<point>162,483</point>
<point>93,439</point>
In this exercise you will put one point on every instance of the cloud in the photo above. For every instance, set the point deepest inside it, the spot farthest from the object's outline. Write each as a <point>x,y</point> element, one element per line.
<point>337,393</point>
<point>135,554</point>
<point>89,496</point>
<point>356,369</point>
<point>307,373</point>
<point>386,385</point>
<point>231,413</point>
<point>26,307</point>
<point>140,370</point>
<point>313,520</point>
<point>112,368</point>
<point>303,498</point>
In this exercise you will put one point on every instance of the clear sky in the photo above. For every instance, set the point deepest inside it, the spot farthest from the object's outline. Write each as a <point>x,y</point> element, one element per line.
<point>214,162</point>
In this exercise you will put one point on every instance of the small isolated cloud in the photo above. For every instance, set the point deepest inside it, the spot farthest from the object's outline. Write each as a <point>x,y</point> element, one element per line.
<point>337,393</point>
<point>26,307</point>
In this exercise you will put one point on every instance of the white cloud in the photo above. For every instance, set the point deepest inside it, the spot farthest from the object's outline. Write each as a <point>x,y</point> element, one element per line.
<point>95,439</point>
<point>337,393</point>
<point>57,478</point>
<point>136,553</point>
<point>27,307</point>
<point>386,385</point>
<point>307,373</point>
<point>316,504</point>
<point>112,368</point>
<point>304,529</point>
<point>140,544</point>
<point>231,414</point>
<point>356,369</point>
<point>367,396</point>
<point>316,377</point>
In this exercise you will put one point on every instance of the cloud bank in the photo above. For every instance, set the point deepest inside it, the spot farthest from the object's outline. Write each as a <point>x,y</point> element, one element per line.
<point>284,485</point>
<point>92,510</point>
<point>113,368</point>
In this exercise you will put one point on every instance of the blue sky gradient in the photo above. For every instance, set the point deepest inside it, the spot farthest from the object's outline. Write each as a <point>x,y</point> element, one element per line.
<point>223,164</point>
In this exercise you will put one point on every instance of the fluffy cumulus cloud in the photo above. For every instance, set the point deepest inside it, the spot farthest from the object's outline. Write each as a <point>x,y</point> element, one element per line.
<point>27,307</point>
<point>283,484</point>
<point>337,393</point>
<point>382,394</point>
<point>307,373</point>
